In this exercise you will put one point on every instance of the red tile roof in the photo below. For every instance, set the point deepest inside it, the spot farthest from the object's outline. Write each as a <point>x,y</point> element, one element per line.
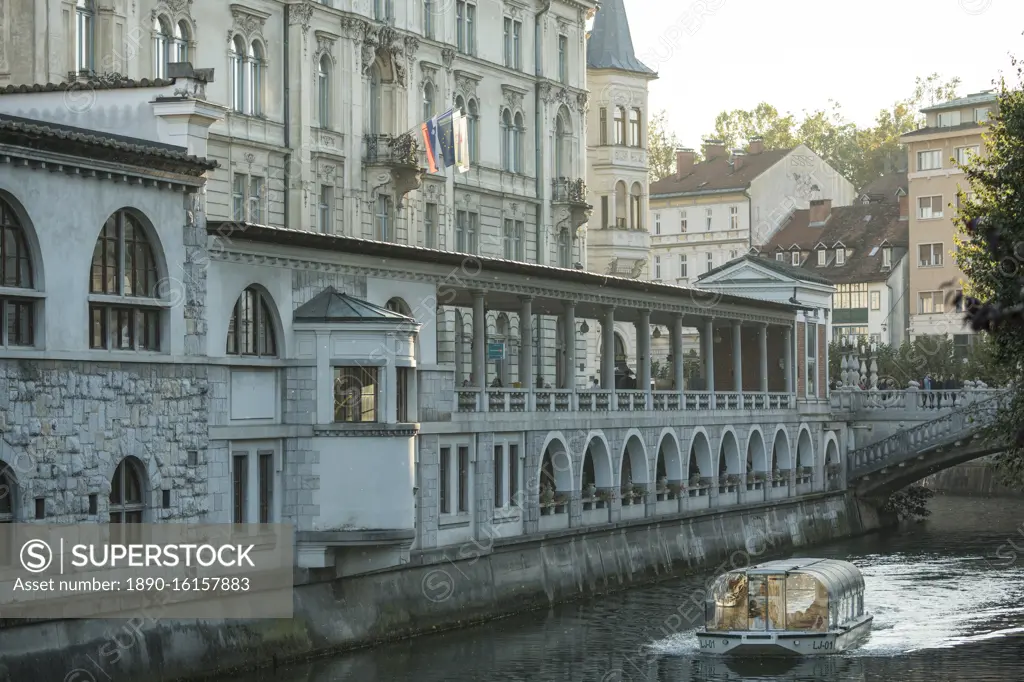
<point>719,174</point>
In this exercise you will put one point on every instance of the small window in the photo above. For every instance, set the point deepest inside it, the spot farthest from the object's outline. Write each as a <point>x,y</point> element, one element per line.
<point>251,327</point>
<point>403,376</point>
<point>682,266</point>
<point>965,154</point>
<point>563,59</point>
<point>682,221</point>
<point>981,114</point>
<point>949,119</point>
<point>796,258</point>
<point>780,256</point>
<point>710,262</point>
<point>324,213</point>
<point>707,219</point>
<point>822,257</point>
<point>657,267</point>
<point>355,394</point>
<point>840,256</point>
<point>930,302</point>
<point>657,223</point>
<point>930,255</point>
<point>887,257</point>
<point>734,218</point>
<point>430,226</point>
<point>876,300</point>
<point>929,208</point>
<point>929,160</point>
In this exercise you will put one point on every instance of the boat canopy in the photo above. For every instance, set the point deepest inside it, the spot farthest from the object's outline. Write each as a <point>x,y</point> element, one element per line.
<point>840,578</point>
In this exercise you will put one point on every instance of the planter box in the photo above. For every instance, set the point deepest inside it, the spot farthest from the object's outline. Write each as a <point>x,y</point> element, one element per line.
<point>633,511</point>
<point>668,507</point>
<point>595,517</point>
<point>554,522</point>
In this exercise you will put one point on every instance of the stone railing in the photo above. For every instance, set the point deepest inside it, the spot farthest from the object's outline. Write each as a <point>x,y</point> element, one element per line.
<point>907,443</point>
<point>569,190</point>
<point>600,400</point>
<point>910,399</point>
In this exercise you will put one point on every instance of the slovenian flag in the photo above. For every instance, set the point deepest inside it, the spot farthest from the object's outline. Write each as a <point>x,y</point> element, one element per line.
<point>429,130</point>
<point>462,142</point>
<point>446,138</point>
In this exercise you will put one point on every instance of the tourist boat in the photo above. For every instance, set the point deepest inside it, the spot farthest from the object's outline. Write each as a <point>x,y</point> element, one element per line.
<point>791,607</point>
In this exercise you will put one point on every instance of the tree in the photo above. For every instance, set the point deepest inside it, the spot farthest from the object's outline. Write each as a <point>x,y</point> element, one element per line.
<point>931,355</point>
<point>737,127</point>
<point>990,255</point>
<point>661,148</point>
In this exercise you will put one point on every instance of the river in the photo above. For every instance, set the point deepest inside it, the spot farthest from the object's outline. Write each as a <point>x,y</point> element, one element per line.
<point>947,595</point>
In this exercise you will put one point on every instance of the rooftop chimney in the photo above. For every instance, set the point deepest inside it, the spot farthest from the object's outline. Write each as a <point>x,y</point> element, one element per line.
<point>904,207</point>
<point>684,162</point>
<point>738,157</point>
<point>755,146</point>
<point>820,210</point>
<point>713,149</point>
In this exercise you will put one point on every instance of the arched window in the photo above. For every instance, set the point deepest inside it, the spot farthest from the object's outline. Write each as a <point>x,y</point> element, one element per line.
<point>474,131</point>
<point>17,326</point>
<point>162,40</point>
<point>182,38</point>
<point>507,133</point>
<point>85,28</point>
<point>620,125</point>
<point>620,349</point>
<point>621,209</point>
<point>124,265</point>
<point>375,99</point>
<point>428,101</point>
<point>127,495</point>
<point>562,159</point>
<point>251,329</point>
<point>238,74</point>
<point>501,334</point>
<point>324,91</point>
<point>636,215</point>
<point>397,305</point>
<point>518,142</point>
<point>8,499</point>
<point>256,79</point>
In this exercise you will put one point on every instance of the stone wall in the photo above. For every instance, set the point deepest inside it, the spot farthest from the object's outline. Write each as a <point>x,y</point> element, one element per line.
<point>974,478</point>
<point>67,425</point>
<point>479,581</point>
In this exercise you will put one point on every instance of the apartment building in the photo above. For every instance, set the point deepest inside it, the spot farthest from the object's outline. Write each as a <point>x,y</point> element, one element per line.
<point>711,212</point>
<point>953,132</point>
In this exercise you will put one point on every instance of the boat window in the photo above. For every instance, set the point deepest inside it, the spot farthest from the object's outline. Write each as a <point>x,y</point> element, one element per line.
<point>766,603</point>
<point>806,603</point>
<point>729,599</point>
<point>776,602</point>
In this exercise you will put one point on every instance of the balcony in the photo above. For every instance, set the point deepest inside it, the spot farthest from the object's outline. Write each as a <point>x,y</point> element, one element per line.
<point>547,401</point>
<point>570,199</point>
<point>395,161</point>
<point>627,247</point>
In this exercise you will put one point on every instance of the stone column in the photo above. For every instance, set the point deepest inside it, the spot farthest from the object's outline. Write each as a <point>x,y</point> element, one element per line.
<point>569,328</point>
<point>613,205</point>
<point>479,341</point>
<point>762,335</point>
<point>678,362</point>
<point>709,354</point>
<point>526,377</point>
<point>737,356</point>
<point>787,357</point>
<point>643,347</point>
<point>608,349</point>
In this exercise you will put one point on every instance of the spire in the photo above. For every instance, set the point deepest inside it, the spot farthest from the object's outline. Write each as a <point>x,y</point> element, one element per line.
<point>610,45</point>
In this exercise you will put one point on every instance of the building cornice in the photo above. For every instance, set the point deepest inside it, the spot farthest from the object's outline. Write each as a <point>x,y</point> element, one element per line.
<point>94,168</point>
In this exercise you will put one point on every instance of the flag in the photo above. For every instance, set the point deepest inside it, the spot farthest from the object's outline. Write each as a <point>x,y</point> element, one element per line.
<point>446,138</point>
<point>462,142</point>
<point>429,130</point>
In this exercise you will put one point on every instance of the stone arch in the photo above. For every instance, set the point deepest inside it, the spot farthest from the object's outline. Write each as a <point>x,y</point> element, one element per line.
<point>9,498</point>
<point>699,456</point>
<point>596,467</point>
<point>728,454</point>
<point>781,457</point>
<point>555,466</point>
<point>669,463</point>
<point>634,460</point>
<point>265,305</point>
<point>397,304</point>
<point>131,485</point>
<point>757,455</point>
<point>804,448</point>
<point>13,214</point>
<point>156,247</point>
<point>832,455</point>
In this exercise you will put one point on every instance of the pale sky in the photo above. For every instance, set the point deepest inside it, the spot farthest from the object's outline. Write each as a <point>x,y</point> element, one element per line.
<point>798,54</point>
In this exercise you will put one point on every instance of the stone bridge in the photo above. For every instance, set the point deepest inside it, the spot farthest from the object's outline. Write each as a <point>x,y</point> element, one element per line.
<point>900,437</point>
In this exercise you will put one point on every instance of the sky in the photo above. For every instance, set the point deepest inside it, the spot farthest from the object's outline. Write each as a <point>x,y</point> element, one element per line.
<point>715,55</point>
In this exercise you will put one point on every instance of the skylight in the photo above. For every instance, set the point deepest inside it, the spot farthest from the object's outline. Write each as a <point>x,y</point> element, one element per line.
<point>873,251</point>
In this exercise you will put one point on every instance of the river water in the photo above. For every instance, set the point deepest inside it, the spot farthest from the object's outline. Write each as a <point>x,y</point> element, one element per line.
<point>947,595</point>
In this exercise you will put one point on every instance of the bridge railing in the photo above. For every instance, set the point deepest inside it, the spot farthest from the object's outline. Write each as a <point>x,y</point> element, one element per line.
<point>905,444</point>
<point>910,399</point>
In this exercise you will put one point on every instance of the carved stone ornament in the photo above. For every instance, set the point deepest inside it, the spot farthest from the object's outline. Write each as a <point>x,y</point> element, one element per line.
<point>448,58</point>
<point>583,101</point>
<point>324,46</point>
<point>465,86</point>
<point>301,15</point>
<point>247,22</point>
<point>513,99</point>
<point>513,9</point>
<point>177,9</point>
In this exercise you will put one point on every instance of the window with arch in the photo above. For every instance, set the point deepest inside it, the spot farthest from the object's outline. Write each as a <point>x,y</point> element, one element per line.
<point>620,125</point>
<point>8,503</point>
<point>17,328</point>
<point>124,266</point>
<point>256,68</point>
<point>238,73</point>
<point>473,124</point>
<point>323,79</point>
<point>85,29</point>
<point>507,133</point>
<point>251,328</point>
<point>620,348</point>
<point>170,44</point>
<point>375,99</point>
<point>127,494</point>
<point>428,101</point>
<point>562,168</point>
<point>634,127</point>
<point>518,141</point>
<point>182,40</point>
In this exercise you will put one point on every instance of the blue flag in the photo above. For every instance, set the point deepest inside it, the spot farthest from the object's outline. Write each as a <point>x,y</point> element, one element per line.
<point>446,138</point>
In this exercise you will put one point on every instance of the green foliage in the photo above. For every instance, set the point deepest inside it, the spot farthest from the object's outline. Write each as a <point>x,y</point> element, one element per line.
<point>934,355</point>
<point>991,255</point>
<point>860,155</point>
<point>661,148</point>
<point>909,503</point>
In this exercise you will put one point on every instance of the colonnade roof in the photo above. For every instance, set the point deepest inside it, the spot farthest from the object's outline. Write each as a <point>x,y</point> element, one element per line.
<point>504,282</point>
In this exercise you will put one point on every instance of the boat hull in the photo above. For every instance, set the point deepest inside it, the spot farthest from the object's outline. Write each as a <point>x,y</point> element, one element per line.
<point>783,643</point>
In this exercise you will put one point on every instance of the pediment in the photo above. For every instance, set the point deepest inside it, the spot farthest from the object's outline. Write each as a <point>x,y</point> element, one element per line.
<point>746,272</point>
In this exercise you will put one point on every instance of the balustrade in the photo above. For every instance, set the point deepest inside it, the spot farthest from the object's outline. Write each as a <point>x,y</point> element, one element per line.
<point>471,399</point>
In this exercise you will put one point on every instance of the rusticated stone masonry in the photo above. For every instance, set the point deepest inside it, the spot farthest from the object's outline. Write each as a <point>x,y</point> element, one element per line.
<point>67,425</point>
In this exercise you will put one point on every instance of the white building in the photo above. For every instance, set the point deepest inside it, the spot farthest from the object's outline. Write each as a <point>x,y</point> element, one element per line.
<point>711,212</point>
